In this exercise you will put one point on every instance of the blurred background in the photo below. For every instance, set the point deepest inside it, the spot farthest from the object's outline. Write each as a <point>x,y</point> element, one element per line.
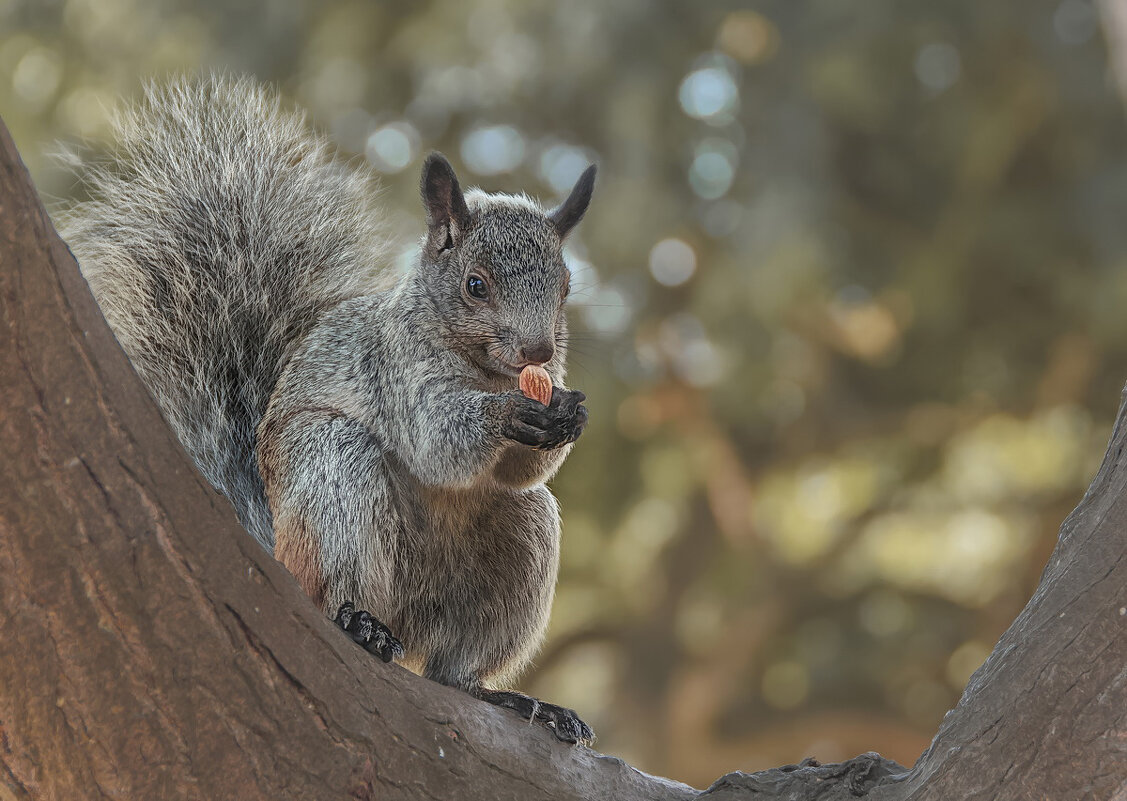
<point>849,310</point>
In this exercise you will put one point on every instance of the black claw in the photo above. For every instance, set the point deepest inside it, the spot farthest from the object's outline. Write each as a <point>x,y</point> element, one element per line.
<point>371,634</point>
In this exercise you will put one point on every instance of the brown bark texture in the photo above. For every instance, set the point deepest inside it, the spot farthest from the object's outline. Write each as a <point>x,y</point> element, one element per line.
<point>149,649</point>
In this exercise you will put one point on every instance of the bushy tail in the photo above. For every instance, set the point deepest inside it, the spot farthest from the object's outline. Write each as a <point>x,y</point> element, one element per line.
<point>217,231</point>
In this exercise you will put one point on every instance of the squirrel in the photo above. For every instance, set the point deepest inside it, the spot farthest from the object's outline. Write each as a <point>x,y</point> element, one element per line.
<point>369,432</point>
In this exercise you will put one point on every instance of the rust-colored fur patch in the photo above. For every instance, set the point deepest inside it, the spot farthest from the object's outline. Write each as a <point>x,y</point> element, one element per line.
<point>297,547</point>
<point>296,544</point>
<point>269,450</point>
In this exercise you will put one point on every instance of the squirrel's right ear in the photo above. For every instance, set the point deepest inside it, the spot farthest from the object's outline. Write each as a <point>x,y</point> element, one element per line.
<point>447,215</point>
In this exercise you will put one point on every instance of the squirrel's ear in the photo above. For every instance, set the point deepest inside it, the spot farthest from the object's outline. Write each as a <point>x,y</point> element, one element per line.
<point>442,197</point>
<point>568,214</point>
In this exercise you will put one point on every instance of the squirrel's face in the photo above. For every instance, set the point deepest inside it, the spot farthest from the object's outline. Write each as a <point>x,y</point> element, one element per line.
<point>493,266</point>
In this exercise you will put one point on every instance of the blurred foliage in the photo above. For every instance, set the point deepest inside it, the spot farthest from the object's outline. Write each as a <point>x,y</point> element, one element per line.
<point>850,313</point>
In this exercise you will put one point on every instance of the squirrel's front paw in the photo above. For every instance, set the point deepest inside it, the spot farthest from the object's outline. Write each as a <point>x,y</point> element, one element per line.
<point>547,427</point>
<point>369,632</point>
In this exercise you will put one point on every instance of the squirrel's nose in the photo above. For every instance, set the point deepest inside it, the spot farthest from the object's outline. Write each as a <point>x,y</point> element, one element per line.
<point>538,353</point>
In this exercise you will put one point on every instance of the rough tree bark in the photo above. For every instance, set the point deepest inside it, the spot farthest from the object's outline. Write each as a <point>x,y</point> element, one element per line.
<point>150,650</point>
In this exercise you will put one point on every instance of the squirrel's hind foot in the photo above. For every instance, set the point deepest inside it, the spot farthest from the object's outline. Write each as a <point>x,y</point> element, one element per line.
<point>566,724</point>
<point>369,632</point>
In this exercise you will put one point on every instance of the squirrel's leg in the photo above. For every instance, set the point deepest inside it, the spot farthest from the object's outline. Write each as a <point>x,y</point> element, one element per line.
<point>322,475</point>
<point>564,721</point>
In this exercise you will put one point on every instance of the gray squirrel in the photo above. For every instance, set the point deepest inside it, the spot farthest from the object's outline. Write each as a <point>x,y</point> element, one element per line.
<point>369,433</point>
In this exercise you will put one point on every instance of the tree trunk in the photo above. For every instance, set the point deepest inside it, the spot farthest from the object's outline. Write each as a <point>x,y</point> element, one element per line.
<point>151,650</point>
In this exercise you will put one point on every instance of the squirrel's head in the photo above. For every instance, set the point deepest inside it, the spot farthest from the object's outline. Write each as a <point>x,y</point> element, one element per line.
<point>493,266</point>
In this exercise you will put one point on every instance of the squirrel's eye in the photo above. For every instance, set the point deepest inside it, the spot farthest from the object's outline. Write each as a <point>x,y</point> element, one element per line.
<point>476,287</point>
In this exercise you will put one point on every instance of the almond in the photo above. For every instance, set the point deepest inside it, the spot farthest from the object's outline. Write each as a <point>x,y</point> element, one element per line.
<point>535,383</point>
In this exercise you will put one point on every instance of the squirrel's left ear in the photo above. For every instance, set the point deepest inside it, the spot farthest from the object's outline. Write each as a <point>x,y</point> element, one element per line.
<point>447,215</point>
<point>568,214</point>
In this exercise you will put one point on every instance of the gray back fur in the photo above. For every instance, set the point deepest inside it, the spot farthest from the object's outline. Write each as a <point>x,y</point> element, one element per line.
<point>216,233</point>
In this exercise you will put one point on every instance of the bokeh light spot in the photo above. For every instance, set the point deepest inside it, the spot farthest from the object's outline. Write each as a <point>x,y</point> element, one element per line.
<point>493,149</point>
<point>786,684</point>
<point>1075,21</point>
<point>710,94</point>
<point>391,148</point>
<point>561,165</point>
<point>713,168</point>
<point>938,66</point>
<point>37,76</point>
<point>608,311</point>
<point>748,36</point>
<point>672,262</point>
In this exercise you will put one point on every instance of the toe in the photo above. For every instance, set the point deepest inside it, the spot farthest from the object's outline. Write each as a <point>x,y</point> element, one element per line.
<point>570,729</point>
<point>567,725</point>
<point>377,644</point>
<point>566,730</point>
<point>392,649</point>
<point>344,614</point>
<point>361,627</point>
<point>396,647</point>
<point>383,644</point>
